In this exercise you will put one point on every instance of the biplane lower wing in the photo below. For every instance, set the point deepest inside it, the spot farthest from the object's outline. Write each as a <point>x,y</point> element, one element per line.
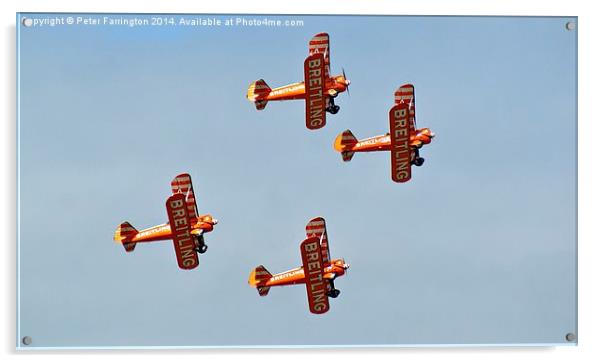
<point>313,267</point>
<point>315,99</point>
<point>401,152</point>
<point>184,245</point>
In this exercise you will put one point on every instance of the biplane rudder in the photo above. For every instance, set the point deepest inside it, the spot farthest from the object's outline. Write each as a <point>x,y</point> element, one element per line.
<point>124,234</point>
<point>256,93</point>
<point>344,143</point>
<point>258,277</point>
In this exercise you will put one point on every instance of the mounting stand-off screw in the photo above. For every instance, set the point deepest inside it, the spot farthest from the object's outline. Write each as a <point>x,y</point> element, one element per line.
<point>570,25</point>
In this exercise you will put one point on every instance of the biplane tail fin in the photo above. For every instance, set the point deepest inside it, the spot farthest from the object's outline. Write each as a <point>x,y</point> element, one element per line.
<point>343,144</point>
<point>123,234</point>
<point>258,277</point>
<point>257,91</point>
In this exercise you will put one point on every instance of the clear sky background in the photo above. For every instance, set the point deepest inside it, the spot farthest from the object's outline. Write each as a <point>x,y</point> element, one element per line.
<point>480,247</point>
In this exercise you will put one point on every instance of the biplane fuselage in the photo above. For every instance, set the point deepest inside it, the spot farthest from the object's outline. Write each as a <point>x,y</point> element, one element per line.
<point>383,142</point>
<point>296,91</point>
<point>332,270</point>
<point>163,232</point>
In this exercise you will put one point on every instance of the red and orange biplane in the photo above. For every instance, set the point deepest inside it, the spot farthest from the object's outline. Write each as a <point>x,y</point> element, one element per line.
<point>403,140</point>
<point>321,90</point>
<point>185,227</point>
<point>317,273</point>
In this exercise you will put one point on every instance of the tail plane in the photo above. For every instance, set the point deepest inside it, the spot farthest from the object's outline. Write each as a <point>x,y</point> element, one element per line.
<point>258,277</point>
<point>257,91</point>
<point>343,144</point>
<point>123,234</point>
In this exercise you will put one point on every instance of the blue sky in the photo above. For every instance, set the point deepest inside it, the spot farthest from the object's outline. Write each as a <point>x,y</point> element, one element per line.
<point>478,248</point>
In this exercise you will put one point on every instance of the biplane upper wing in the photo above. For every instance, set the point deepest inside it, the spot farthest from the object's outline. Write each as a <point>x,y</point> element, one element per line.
<point>405,94</point>
<point>320,43</point>
<point>183,241</point>
<point>315,283</point>
<point>317,228</point>
<point>315,99</point>
<point>401,152</point>
<point>182,184</point>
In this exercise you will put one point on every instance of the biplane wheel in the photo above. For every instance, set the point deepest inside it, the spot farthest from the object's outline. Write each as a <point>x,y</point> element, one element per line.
<point>334,293</point>
<point>335,109</point>
<point>419,161</point>
<point>202,249</point>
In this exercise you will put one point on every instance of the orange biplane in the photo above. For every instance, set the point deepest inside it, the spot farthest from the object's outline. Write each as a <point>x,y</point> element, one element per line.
<point>403,140</point>
<point>185,227</point>
<point>317,273</point>
<point>319,88</point>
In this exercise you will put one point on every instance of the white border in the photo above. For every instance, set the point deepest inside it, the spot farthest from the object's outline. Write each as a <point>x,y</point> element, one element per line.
<point>589,175</point>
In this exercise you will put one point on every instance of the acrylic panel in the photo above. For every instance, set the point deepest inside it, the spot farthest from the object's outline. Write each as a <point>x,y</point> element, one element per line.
<point>479,247</point>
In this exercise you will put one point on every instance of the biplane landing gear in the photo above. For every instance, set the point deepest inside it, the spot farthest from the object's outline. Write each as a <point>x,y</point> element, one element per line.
<point>333,293</point>
<point>332,108</point>
<point>201,247</point>
<point>418,161</point>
